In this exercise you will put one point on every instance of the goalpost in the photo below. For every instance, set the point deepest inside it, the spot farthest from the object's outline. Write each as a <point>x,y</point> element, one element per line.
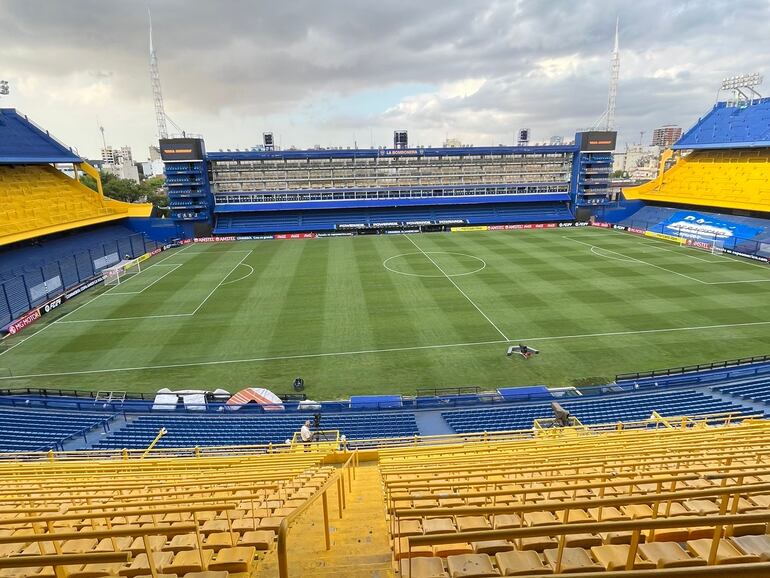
<point>117,274</point>
<point>713,246</point>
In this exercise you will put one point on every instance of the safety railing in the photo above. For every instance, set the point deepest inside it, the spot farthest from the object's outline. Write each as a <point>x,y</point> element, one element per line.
<point>716,419</point>
<point>667,372</point>
<point>660,501</point>
<point>349,469</point>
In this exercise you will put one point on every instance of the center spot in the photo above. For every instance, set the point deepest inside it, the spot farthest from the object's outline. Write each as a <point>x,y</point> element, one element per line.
<point>432,263</point>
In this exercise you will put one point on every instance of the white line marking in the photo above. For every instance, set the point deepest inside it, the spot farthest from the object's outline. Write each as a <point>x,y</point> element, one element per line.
<point>222,281</point>
<point>457,287</point>
<point>175,267</point>
<point>166,316</point>
<point>388,350</point>
<point>483,264</point>
<point>593,250</point>
<point>107,319</point>
<point>639,261</point>
<point>249,274</point>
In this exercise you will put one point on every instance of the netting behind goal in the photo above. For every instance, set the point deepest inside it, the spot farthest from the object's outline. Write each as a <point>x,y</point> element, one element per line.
<point>117,274</point>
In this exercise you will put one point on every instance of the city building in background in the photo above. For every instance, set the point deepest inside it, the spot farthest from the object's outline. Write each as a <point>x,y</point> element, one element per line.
<point>665,136</point>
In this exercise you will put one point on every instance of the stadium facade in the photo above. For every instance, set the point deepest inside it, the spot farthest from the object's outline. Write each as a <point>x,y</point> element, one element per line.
<point>385,189</point>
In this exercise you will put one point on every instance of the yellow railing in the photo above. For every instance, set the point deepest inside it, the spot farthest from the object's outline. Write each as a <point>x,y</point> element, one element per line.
<point>349,468</point>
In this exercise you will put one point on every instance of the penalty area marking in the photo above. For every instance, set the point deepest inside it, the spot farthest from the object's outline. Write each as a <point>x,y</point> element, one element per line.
<point>594,249</point>
<point>388,350</point>
<point>483,264</point>
<point>249,274</point>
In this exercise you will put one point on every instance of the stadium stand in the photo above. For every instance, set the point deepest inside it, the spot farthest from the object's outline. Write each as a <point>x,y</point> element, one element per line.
<point>165,516</point>
<point>728,124</point>
<point>188,431</point>
<point>636,499</point>
<point>607,409</point>
<point>731,179</point>
<point>30,430</point>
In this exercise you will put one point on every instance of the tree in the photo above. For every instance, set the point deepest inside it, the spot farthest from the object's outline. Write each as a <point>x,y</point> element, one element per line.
<point>128,191</point>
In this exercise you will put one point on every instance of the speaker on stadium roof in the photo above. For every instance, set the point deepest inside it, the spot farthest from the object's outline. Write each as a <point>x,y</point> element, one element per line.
<point>400,139</point>
<point>267,139</point>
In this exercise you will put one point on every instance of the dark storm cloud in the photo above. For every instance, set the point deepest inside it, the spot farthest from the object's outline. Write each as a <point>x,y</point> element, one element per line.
<point>542,63</point>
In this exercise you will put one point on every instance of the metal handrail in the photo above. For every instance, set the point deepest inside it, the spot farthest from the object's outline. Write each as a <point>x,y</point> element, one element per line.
<point>283,530</point>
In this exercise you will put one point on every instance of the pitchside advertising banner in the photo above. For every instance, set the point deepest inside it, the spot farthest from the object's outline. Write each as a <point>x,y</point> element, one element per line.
<point>681,240</point>
<point>518,227</point>
<point>693,225</point>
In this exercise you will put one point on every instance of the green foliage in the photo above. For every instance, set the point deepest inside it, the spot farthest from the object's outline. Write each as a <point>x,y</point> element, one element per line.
<point>150,190</point>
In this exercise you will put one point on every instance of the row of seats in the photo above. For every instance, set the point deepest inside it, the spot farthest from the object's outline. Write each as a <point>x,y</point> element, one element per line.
<point>30,430</point>
<point>182,515</point>
<point>730,125</point>
<point>190,431</point>
<point>595,410</point>
<point>574,501</point>
<point>329,219</point>
<point>735,179</point>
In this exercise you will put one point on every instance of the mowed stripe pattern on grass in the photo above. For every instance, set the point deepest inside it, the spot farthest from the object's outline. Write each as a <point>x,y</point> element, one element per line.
<point>334,295</point>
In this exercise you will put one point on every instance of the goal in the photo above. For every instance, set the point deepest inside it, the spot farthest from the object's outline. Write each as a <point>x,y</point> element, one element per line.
<point>117,274</point>
<point>718,247</point>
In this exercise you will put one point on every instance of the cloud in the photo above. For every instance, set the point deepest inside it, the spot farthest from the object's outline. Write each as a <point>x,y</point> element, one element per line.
<point>322,72</point>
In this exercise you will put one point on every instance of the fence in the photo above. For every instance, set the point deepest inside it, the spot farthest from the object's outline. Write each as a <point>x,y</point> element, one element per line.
<point>24,288</point>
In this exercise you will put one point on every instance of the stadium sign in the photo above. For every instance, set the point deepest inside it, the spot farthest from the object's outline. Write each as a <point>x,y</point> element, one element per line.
<point>181,149</point>
<point>23,322</point>
<point>598,140</point>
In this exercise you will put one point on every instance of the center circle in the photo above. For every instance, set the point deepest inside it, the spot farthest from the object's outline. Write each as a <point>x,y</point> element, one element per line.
<point>410,264</point>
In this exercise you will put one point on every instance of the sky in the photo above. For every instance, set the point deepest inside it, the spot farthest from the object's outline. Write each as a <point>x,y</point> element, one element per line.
<point>349,72</point>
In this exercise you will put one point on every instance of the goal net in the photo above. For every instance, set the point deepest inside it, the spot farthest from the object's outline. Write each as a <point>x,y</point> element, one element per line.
<point>718,247</point>
<point>118,274</point>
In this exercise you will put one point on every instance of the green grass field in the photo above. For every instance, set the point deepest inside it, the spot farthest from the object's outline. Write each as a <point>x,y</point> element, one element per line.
<point>395,313</point>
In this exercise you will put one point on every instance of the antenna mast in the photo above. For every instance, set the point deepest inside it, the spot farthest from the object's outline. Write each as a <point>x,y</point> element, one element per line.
<point>614,75</point>
<point>157,95</point>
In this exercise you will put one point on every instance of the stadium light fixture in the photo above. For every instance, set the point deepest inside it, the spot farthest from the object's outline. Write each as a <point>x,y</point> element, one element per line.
<point>742,81</point>
<point>742,87</point>
<point>4,90</point>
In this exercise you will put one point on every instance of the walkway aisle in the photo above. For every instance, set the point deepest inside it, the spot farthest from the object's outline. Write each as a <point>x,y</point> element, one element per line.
<point>359,542</point>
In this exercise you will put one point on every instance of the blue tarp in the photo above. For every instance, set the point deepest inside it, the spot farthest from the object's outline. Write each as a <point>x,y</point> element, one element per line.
<point>375,401</point>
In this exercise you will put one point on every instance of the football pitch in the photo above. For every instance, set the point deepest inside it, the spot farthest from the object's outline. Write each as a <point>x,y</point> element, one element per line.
<point>394,313</point>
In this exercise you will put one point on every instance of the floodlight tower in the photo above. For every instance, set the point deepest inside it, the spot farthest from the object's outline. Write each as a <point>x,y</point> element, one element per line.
<point>614,76</point>
<point>157,95</point>
<point>4,90</point>
<point>742,87</point>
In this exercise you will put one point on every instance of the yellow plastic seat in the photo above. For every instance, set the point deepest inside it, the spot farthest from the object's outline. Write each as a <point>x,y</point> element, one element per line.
<point>607,514</point>
<point>423,568</point>
<point>491,547</point>
<point>408,528</point>
<point>181,543</point>
<point>583,540</point>
<point>219,540</point>
<point>538,543</point>
<point>456,549</point>
<point>259,539</point>
<point>520,564</point>
<point>271,523</point>
<point>189,561</point>
<point>212,526</point>
<point>156,544</point>
<point>668,555</point>
<point>573,560</point>
<point>438,526</point>
<point>470,566</point>
<point>615,556</point>
<point>540,518</point>
<point>238,559</point>
<point>139,565</point>
<point>403,550</point>
<point>727,553</point>
<point>754,545</point>
<point>506,521</point>
<point>208,574</point>
<point>576,516</point>
<point>471,523</point>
